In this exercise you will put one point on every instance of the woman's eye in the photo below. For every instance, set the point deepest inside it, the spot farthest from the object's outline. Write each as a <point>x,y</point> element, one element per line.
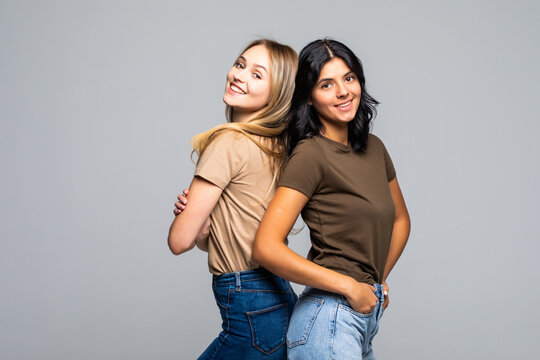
<point>257,75</point>
<point>349,78</point>
<point>325,86</point>
<point>238,65</point>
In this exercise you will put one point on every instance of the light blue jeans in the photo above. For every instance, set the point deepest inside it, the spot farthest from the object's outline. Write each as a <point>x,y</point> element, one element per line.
<point>323,326</point>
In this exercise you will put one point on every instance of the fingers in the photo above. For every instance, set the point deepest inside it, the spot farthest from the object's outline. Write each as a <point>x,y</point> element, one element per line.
<point>386,302</point>
<point>364,300</point>
<point>385,292</point>
<point>180,205</point>
<point>385,288</point>
<point>182,199</point>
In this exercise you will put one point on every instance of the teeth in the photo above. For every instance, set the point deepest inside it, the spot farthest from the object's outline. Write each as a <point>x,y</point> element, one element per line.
<point>236,89</point>
<point>344,105</point>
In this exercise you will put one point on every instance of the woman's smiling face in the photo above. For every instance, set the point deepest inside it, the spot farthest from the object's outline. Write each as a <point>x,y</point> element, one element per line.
<point>248,81</point>
<point>336,95</point>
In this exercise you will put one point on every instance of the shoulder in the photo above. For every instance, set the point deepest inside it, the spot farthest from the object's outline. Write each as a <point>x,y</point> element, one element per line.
<point>308,145</point>
<point>374,142</point>
<point>229,142</point>
<point>229,137</point>
<point>374,139</point>
<point>307,155</point>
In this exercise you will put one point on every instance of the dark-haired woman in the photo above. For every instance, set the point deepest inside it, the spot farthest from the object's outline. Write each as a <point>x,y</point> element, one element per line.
<point>342,180</point>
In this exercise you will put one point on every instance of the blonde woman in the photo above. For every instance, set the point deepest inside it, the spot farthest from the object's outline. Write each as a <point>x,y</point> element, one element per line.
<point>234,181</point>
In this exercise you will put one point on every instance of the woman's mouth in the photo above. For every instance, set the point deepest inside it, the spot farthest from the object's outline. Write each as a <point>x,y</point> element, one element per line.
<point>345,106</point>
<point>236,89</point>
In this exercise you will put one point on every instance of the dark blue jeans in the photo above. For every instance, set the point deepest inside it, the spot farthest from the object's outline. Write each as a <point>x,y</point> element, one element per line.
<point>255,307</point>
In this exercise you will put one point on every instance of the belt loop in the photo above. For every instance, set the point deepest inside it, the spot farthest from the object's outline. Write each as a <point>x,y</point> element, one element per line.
<point>238,283</point>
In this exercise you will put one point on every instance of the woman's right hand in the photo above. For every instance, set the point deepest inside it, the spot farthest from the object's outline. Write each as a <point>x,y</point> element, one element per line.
<point>361,297</point>
<point>180,205</point>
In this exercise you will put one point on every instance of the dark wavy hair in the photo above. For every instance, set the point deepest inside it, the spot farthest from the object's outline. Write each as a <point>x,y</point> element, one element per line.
<point>304,120</point>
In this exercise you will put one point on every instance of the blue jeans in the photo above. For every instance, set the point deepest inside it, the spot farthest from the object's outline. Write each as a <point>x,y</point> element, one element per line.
<point>324,326</point>
<point>255,307</point>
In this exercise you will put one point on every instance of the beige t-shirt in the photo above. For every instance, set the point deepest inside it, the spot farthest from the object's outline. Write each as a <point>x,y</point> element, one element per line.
<point>239,167</point>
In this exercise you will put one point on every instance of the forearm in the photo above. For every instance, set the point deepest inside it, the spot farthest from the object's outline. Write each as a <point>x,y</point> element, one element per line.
<point>282,261</point>
<point>400,235</point>
<point>202,238</point>
<point>181,238</point>
<point>191,226</point>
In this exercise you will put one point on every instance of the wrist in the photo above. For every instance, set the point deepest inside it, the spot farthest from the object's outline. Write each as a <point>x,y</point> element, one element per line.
<point>345,285</point>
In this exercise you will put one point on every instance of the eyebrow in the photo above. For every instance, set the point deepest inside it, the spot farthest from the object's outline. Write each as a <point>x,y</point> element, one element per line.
<point>328,79</point>
<point>256,65</point>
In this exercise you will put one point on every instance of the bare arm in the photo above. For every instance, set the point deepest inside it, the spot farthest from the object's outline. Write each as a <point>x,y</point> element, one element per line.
<point>400,233</point>
<point>270,251</point>
<point>402,227</point>
<point>190,228</point>
<point>202,238</point>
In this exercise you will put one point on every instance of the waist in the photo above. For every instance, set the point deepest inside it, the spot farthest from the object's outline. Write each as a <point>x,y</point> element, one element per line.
<point>239,277</point>
<point>340,298</point>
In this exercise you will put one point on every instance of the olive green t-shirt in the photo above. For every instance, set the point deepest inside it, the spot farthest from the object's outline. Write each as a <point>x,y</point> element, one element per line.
<point>350,212</point>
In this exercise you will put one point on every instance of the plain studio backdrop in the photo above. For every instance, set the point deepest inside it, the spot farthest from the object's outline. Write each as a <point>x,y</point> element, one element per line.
<point>99,101</point>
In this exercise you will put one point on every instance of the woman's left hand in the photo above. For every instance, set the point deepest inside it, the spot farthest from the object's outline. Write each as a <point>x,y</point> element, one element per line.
<point>180,205</point>
<point>385,292</point>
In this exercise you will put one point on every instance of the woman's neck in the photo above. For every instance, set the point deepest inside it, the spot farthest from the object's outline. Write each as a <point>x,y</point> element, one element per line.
<point>338,134</point>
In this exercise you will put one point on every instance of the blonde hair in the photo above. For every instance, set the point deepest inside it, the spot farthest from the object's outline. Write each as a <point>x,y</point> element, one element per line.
<point>272,120</point>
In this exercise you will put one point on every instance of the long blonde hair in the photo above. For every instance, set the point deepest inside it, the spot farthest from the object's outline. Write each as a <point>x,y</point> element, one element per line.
<point>272,120</point>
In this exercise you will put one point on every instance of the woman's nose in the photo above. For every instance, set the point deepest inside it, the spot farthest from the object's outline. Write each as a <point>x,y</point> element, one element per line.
<point>341,90</point>
<point>240,76</point>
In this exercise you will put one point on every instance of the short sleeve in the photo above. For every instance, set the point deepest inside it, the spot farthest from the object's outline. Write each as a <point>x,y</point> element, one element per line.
<point>303,170</point>
<point>390,171</point>
<point>223,159</point>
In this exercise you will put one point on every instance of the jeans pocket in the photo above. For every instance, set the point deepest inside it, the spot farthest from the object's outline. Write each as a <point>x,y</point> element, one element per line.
<point>221,294</point>
<point>304,315</point>
<point>268,327</point>
<point>356,313</point>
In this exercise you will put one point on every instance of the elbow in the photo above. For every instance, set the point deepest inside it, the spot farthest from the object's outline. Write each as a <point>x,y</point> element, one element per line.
<point>178,245</point>
<point>257,253</point>
<point>403,217</point>
<point>407,220</point>
<point>262,253</point>
<point>403,224</point>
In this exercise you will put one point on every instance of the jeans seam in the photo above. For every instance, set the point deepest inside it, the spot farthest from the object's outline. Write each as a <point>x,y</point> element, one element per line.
<point>263,291</point>
<point>227,312</point>
<point>241,280</point>
<point>333,333</point>
<point>304,337</point>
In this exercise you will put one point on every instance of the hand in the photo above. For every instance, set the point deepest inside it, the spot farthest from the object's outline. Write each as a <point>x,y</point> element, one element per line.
<point>361,297</point>
<point>386,299</point>
<point>180,205</point>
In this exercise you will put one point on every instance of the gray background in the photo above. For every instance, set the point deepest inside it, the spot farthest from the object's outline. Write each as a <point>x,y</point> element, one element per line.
<point>98,102</point>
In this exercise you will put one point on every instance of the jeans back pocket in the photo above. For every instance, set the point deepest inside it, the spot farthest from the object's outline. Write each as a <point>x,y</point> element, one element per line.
<point>304,315</point>
<point>268,327</point>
